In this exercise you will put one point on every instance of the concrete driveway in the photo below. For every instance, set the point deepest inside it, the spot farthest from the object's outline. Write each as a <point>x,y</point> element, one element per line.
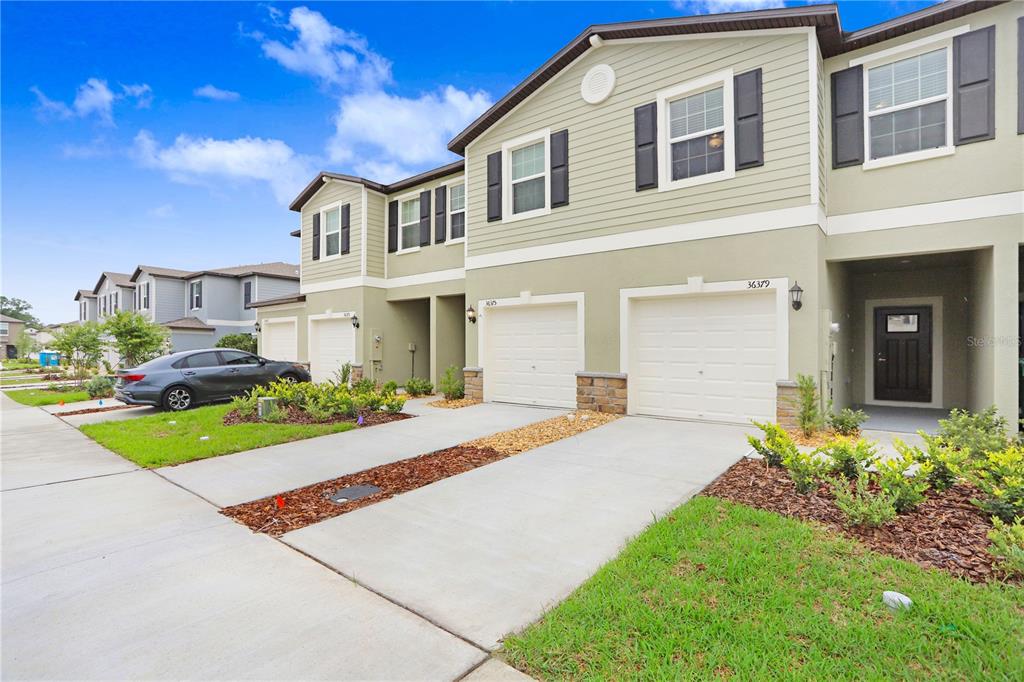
<point>485,553</point>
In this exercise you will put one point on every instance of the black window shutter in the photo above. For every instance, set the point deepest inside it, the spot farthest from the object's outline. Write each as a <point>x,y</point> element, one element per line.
<point>645,138</point>
<point>316,236</point>
<point>425,218</point>
<point>493,187</point>
<point>1020,75</point>
<point>440,219</point>
<point>392,226</point>
<point>848,117</point>
<point>749,120</point>
<point>974,86</point>
<point>560,168</point>
<point>346,228</point>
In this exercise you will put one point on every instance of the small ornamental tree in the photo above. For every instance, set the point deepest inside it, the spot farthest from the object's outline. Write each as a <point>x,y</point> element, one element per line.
<point>25,344</point>
<point>246,342</point>
<point>135,338</point>
<point>81,345</point>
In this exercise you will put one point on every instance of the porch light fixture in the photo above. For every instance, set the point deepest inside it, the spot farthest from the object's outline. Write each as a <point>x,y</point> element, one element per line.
<point>471,315</point>
<point>258,327</point>
<point>355,321</point>
<point>795,294</point>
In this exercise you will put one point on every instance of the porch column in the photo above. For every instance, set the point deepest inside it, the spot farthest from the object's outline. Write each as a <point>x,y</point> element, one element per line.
<point>433,340</point>
<point>1005,330</point>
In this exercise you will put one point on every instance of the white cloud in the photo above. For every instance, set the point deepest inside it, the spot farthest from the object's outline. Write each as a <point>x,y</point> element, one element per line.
<point>210,91</point>
<point>161,211</point>
<point>141,93</point>
<point>97,148</point>
<point>205,160</point>
<point>719,6</point>
<point>93,98</point>
<point>330,54</point>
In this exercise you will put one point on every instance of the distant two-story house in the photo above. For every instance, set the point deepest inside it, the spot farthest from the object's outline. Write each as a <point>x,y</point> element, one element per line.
<point>10,330</point>
<point>114,292</point>
<point>678,217</point>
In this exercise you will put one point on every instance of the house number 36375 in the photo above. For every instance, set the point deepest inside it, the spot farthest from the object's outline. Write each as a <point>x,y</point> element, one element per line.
<point>758,283</point>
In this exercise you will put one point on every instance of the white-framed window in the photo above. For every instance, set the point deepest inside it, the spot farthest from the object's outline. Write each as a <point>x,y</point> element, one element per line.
<point>331,221</point>
<point>696,144</point>
<point>144,296</point>
<point>246,293</point>
<point>409,223</point>
<point>457,211</point>
<point>195,294</point>
<point>909,107</point>
<point>115,301</point>
<point>81,311</point>
<point>5,329</point>
<point>526,168</point>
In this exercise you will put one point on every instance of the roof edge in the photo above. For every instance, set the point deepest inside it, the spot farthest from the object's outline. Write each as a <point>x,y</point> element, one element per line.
<point>324,176</point>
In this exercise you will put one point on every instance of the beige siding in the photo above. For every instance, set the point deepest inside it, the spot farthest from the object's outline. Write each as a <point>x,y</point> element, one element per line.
<point>823,131</point>
<point>430,258</point>
<point>989,167</point>
<point>601,168</point>
<point>376,233</point>
<point>348,265</point>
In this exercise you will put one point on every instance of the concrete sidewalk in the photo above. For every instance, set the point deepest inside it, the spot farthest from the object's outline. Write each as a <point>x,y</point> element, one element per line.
<point>123,575</point>
<point>250,475</point>
<point>486,552</point>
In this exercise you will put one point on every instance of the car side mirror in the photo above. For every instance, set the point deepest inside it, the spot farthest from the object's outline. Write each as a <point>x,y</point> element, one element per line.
<point>263,361</point>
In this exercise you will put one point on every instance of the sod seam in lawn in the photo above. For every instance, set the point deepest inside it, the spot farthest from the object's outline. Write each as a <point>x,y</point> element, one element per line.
<point>152,441</point>
<point>36,397</point>
<point>718,589</point>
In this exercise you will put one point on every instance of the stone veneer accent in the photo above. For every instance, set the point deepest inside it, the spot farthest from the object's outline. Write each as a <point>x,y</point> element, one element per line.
<point>786,404</point>
<point>601,391</point>
<point>357,373</point>
<point>474,380</point>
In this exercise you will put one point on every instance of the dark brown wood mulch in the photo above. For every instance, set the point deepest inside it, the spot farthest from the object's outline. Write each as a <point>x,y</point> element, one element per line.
<point>297,416</point>
<point>94,410</point>
<point>309,505</point>
<point>945,531</point>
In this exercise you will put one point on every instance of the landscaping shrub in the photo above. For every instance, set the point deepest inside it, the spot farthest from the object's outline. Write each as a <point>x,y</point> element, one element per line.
<point>1008,545</point>
<point>244,405</point>
<point>904,477</point>
<point>100,387</point>
<point>364,386</point>
<point>452,385</point>
<point>416,387</point>
<point>847,422</point>
<point>246,342</point>
<point>1000,478</point>
<point>342,375</point>
<point>394,404</point>
<point>776,446</point>
<point>977,433</point>
<point>861,505</point>
<point>390,388</point>
<point>326,401</point>
<point>848,457</point>
<point>806,469</point>
<point>808,416</point>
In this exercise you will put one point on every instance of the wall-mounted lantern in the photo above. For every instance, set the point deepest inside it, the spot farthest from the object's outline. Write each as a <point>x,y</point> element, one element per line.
<point>355,321</point>
<point>471,315</point>
<point>258,327</point>
<point>795,294</point>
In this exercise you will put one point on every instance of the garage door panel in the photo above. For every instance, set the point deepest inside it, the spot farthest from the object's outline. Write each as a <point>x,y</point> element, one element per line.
<point>332,344</point>
<point>280,340</point>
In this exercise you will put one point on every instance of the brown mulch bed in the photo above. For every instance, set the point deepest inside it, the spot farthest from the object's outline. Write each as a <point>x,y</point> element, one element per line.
<point>94,410</point>
<point>297,416</point>
<point>945,531</point>
<point>309,505</point>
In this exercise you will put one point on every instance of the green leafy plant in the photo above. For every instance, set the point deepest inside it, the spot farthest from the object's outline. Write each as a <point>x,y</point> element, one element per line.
<point>416,387</point>
<point>342,375</point>
<point>26,344</point>
<point>245,405</point>
<point>275,415</point>
<point>364,386</point>
<point>861,505</point>
<point>135,338</point>
<point>246,342</point>
<point>849,457</point>
<point>904,477</point>
<point>81,346</point>
<point>451,384</point>
<point>808,417</point>
<point>1008,545</point>
<point>394,404</point>
<point>1000,478</point>
<point>806,469</point>
<point>977,433</point>
<point>776,446</point>
<point>100,387</point>
<point>847,421</point>
<point>390,388</point>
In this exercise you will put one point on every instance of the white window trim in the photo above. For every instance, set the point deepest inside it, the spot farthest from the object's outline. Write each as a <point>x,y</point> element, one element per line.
<point>506,175</point>
<point>412,249</point>
<point>324,210</point>
<point>449,240</point>
<point>894,55</point>
<point>723,78</point>
<point>191,295</point>
<point>5,328</point>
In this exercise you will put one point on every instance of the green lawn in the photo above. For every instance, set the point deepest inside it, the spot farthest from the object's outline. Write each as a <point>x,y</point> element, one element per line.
<point>43,396</point>
<point>721,590</point>
<point>10,365</point>
<point>153,441</point>
<point>14,381</point>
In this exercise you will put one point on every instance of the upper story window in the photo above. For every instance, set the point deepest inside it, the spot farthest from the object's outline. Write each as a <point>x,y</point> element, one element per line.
<point>195,294</point>
<point>144,297</point>
<point>529,178</point>
<point>457,211</point>
<point>5,328</point>
<point>115,301</point>
<point>908,105</point>
<point>247,293</point>
<point>409,223</point>
<point>332,232</point>
<point>696,130</point>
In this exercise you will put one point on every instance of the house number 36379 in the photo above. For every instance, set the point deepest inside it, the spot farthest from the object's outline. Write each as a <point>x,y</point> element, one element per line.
<point>758,283</point>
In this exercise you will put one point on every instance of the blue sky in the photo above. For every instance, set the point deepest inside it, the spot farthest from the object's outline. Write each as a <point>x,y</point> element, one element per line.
<point>175,134</point>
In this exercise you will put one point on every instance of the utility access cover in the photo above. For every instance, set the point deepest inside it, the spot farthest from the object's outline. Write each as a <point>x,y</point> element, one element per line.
<point>353,492</point>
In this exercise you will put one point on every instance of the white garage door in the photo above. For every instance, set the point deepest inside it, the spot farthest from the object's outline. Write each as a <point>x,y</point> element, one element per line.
<point>532,355</point>
<point>703,357</point>
<point>280,340</point>
<point>332,343</point>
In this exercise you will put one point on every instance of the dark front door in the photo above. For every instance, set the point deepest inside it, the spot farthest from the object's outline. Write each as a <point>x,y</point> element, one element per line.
<point>903,353</point>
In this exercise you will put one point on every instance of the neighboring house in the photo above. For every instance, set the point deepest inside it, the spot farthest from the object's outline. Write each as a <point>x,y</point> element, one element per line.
<point>10,329</point>
<point>88,310</point>
<point>678,217</point>
<point>114,292</point>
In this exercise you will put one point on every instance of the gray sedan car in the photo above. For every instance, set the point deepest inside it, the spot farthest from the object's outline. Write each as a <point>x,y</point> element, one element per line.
<point>182,380</point>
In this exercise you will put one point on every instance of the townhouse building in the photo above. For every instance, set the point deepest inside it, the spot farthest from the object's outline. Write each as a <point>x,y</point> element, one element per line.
<point>678,217</point>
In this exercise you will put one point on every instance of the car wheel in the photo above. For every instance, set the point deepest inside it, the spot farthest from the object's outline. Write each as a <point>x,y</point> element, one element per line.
<point>178,398</point>
<point>289,378</point>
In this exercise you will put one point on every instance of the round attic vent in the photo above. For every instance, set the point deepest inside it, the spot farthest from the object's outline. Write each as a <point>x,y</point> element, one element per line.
<point>597,84</point>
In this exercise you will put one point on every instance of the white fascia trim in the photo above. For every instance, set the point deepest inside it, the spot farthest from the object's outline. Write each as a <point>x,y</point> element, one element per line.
<point>884,55</point>
<point>392,283</point>
<point>362,231</point>
<point>955,210</point>
<point>718,35</point>
<point>231,323</point>
<point>525,298</point>
<point>797,216</point>
<point>697,285</point>
<point>869,351</point>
